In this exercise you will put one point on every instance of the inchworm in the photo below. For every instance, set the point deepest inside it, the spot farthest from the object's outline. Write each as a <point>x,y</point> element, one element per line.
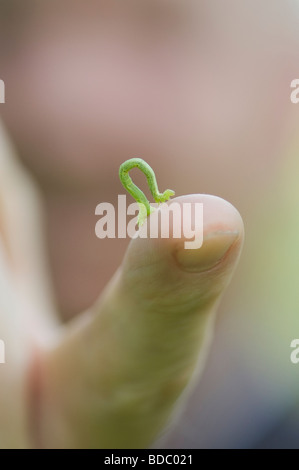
<point>145,208</point>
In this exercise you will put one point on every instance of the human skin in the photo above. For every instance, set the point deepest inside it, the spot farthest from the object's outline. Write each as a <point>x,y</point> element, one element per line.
<point>191,95</point>
<point>112,377</point>
<point>214,127</point>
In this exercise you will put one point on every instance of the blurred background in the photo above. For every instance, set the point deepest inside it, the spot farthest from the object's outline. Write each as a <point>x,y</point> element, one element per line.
<point>201,90</point>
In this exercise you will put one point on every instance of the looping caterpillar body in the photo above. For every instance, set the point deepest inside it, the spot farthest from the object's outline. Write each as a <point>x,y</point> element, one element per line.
<point>145,208</point>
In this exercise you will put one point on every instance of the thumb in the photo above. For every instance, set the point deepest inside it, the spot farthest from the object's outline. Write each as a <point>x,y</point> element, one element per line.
<point>114,376</point>
<point>164,271</point>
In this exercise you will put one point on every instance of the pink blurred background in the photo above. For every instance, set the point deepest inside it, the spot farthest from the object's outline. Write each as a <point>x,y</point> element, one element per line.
<point>200,90</point>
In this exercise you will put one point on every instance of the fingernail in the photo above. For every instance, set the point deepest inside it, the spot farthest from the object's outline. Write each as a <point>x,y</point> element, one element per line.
<point>214,248</point>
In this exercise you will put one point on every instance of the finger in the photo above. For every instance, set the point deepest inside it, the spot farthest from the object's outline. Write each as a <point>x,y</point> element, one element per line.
<point>114,377</point>
<point>14,346</point>
<point>24,307</point>
<point>21,232</point>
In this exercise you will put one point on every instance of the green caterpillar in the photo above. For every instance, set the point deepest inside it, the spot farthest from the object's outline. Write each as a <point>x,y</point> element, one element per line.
<point>145,208</point>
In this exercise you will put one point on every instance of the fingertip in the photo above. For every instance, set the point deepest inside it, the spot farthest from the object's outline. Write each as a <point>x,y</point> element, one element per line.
<point>167,233</point>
